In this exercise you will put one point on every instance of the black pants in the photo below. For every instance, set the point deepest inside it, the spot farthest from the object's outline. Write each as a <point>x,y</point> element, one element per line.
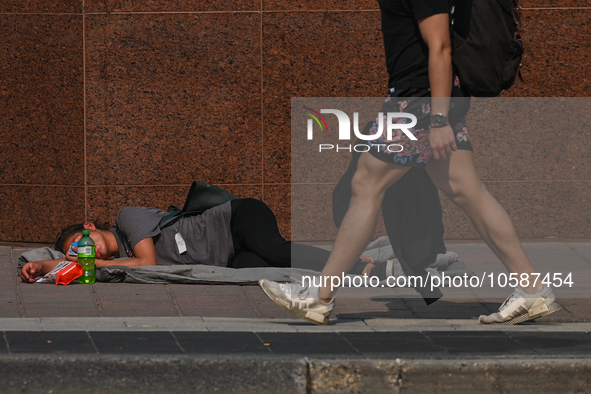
<point>258,243</point>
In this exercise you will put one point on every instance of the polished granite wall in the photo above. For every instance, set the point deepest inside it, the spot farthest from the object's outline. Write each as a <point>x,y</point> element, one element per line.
<point>107,103</point>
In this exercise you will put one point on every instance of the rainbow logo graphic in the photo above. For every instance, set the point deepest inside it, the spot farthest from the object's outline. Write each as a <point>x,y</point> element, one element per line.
<point>315,115</point>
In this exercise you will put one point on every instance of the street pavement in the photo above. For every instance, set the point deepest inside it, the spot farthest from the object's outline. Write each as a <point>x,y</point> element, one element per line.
<point>390,341</point>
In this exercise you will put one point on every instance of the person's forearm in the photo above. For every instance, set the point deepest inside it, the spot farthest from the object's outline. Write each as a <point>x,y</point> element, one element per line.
<point>440,78</point>
<point>48,265</point>
<point>135,262</point>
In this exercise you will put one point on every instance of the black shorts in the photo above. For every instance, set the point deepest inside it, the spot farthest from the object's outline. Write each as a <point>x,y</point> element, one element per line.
<point>401,149</point>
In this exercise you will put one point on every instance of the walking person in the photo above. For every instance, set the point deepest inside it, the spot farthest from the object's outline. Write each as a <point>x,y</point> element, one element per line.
<point>421,81</point>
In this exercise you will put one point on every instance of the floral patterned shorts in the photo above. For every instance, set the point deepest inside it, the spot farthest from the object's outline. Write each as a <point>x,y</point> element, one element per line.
<point>400,149</point>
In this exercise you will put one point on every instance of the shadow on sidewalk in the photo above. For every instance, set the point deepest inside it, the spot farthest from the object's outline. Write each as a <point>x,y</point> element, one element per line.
<point>416,308</point>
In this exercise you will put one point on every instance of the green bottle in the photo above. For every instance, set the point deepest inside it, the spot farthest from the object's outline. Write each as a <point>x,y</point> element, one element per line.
<point>86,257</point>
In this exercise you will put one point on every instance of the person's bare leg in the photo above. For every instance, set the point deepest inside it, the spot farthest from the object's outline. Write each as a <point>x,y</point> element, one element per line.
<point>457,178</point>
<point>370,182</point>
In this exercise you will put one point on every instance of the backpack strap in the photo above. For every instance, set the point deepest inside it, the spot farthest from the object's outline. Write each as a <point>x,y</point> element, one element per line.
<point>170,218</point>
<point>125,242</point>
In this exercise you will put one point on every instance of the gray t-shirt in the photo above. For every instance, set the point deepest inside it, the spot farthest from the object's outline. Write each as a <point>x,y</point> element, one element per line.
<point>207,237</point>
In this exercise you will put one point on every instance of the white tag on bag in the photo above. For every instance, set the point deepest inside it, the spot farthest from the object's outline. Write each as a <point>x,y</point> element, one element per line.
<point>180,243</point>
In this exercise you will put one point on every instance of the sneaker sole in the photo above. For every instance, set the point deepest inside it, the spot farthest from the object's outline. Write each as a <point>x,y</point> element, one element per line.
<point>295,311</point>
<point>555,306</point>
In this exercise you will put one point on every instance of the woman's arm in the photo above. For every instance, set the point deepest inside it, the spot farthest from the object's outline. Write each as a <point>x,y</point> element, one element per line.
<point>435,32</point>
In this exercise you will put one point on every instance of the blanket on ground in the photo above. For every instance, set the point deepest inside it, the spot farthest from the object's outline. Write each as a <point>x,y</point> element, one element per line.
<point>195,274</point>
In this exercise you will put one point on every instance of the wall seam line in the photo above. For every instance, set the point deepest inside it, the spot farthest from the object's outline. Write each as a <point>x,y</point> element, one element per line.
<point>266,183</point>
<point>483,181</point>
<point>260,11</point>
<point>246,11</point>
<point>40,13</point>
<point>262,107</point>
<point>554,8</point>
<point>84,112</point>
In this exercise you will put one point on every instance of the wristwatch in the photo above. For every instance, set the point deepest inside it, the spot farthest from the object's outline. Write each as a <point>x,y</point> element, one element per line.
<point>439,120</point>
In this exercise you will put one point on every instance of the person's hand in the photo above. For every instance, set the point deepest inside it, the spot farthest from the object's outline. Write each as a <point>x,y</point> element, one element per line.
<point>370,264</point>
<point>31,271</point>
<point>442,142</point>
<point>367,259</point>
<point>70,257</point>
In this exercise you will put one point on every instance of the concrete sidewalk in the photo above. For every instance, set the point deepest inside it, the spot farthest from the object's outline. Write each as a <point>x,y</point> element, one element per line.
<point>169,338</point>
<point>138,300</point>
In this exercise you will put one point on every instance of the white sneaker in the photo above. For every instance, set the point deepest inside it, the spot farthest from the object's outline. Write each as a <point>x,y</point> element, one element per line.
<point>302,301</point>
<point>521,307</point>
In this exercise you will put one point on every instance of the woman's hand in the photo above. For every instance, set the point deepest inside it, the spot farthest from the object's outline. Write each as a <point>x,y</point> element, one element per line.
<point>442,142</point>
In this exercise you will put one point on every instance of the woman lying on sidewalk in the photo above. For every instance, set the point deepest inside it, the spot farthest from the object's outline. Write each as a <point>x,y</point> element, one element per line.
<point>241,233</point>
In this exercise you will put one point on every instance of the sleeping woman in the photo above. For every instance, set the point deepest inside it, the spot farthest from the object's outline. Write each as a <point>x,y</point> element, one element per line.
<point>241,233</point>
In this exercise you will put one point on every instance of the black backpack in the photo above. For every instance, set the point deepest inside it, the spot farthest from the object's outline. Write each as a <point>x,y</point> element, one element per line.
<point>486,45</point>
<point>201,197</point>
